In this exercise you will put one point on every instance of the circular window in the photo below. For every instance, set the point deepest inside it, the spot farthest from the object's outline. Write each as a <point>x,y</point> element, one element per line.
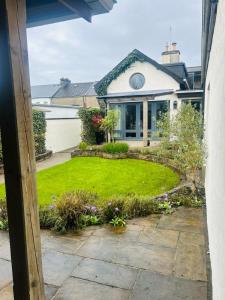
<point>137,81</point>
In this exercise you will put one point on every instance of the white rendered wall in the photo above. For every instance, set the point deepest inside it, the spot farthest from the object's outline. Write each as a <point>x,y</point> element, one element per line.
<point>63,134</point>
<point>54,111</point>
<point>215,168</point>
<point>154,79</point>
<point>41,101</point>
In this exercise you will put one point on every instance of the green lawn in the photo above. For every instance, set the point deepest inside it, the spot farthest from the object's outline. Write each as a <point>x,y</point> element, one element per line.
<point>105,177</point>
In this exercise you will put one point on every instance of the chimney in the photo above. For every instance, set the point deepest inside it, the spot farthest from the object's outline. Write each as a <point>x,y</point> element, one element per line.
<point>171,55</point>
<point>64,82</point>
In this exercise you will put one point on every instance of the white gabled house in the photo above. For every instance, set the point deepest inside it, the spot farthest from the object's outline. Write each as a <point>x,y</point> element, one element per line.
<point>142,89</point>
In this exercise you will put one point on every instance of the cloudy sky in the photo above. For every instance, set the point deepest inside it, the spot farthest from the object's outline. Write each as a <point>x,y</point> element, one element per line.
<point>86,52</point>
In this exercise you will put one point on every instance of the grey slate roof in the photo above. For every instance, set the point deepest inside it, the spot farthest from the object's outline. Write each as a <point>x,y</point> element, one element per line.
<point>194,69</point>
<point>44,91</point>
<point>138,94</point>
<point>178,68</point>
<point>58,91</point>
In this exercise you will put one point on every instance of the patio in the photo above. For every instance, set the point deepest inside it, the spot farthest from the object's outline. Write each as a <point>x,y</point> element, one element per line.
<point>159,257</point>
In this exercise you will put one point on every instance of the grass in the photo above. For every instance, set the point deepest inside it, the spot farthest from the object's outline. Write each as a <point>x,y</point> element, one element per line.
<point>105,177</point>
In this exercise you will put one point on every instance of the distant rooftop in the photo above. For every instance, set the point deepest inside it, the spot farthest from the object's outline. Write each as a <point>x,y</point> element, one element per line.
<point>69,90</point>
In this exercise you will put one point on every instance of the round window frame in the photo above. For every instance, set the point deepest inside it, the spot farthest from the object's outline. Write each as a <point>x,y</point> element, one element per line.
<point>130,80</point>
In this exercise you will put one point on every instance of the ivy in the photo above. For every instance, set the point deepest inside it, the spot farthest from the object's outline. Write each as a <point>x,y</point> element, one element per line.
<point>88,117</point>
<point>39,130</point>
<point>101,87</point>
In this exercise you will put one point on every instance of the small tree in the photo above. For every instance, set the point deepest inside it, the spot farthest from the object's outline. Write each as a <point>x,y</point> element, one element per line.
<point>183,136</point>
<point>110,122</point>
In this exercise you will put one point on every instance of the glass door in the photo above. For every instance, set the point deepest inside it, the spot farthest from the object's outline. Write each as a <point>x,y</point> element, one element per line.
<point>133,120</point>
<point>155,111</point>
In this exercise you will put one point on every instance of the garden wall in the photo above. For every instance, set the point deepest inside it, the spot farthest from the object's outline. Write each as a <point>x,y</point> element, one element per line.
<point>62,134</point>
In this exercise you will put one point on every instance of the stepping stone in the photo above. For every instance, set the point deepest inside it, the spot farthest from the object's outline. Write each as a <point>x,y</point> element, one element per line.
<point>79,289</point>
<point>106,273</point>
<point>154,286</point>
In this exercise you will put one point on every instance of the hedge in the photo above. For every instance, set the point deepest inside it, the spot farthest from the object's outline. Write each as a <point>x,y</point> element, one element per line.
<point>39,127</point>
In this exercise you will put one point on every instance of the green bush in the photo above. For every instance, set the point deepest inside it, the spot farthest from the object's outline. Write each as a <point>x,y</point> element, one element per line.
<point>114,148</point>
<point>91,120</point>
<point>114,208</point>
<point>83,146</point>
<point>39,129</point>
<point>3,215</point>
<point>137,206</point>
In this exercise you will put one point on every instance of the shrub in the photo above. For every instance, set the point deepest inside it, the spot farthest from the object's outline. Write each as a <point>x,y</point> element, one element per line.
<point>3,215</point>
<point>70,209</point>
<point>83,146</point>
<point>114,148</point>
<point>110,122</point>
<point>118,222</point>
<point>39,129</point>
<point>47,216</point>
<point>137,206</point>
<point>114,208</point>
<point>91,120</point>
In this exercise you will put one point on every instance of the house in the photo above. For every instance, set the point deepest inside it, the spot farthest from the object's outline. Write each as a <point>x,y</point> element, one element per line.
<point>65,93</point>
<point>213,74</point>
<point>141,89</point>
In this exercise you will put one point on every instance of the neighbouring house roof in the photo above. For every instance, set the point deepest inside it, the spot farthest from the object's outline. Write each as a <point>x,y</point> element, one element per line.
<point>40,12</point>
<point>44,91</point>
<point>76,90</point>
<point>70,90</point>
<point>194,69</point>
<point>138,94</point>
<point>135,55</point>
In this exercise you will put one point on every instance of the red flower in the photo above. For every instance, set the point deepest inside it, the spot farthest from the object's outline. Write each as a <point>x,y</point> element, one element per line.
<point>97,120</point>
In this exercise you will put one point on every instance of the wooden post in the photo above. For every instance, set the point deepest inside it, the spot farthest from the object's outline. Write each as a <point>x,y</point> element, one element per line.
<point>18,152</point>
<point>145,122</point>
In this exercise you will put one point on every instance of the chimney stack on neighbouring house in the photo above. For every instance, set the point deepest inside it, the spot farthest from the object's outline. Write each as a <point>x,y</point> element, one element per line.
<point>171,55</point>
<point>64,82</point>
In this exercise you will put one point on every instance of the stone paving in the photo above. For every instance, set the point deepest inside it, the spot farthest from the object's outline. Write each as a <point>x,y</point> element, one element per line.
<point>161,257</point>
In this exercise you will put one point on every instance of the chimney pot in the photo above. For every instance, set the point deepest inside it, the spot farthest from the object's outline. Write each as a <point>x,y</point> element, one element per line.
<point>64,82</point>
<point>174,45</point>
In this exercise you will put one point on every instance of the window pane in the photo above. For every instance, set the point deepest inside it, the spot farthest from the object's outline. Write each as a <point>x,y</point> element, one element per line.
<point>130,117</point>
<point>131,134</point>
<point>149,115</point>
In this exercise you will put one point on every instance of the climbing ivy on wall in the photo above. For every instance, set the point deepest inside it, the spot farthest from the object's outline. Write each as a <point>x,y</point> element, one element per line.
<point>101,87</point>
<point>91,121</point>
<point>39,129</point>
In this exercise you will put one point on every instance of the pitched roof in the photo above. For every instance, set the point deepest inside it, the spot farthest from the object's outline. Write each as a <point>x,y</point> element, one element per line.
<point>68,91</point>
<point>135,55</point>
<point>178,68</point>
<point>44,91</point>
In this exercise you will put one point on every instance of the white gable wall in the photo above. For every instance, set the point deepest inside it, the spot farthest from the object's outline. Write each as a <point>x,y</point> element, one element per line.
<point>154,79</point>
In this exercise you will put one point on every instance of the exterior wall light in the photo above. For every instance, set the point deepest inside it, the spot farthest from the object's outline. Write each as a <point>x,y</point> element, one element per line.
<point>174,105</point>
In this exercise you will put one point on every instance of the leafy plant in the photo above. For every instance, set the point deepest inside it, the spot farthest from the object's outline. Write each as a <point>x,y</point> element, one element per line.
<point>91,121</point>
<point>83,146</point>
<point>91,220</point>
<point>114,208</point>
<point>182,136</point>
<point>39,129</point>
<point>110,122</point>
<point>118,222</point>
<point>3,215</point>
<point>113,148</point>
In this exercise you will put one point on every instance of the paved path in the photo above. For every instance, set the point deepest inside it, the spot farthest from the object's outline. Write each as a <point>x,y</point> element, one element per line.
<point>56,159</point>
<point>156,258</point>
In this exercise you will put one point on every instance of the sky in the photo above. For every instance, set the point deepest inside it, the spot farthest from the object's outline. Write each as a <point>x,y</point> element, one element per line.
<point>83,51</point>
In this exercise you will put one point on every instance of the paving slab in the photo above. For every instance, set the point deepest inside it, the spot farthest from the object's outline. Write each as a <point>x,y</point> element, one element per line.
<point>126,234</point>
<point>57,267</point>
<point>79,289</point>
<point>190,262</point>
<point>136,255</point>
<point>184,219</point>
<point>160,237</point>
<point>6,273</point>
<point>5,251</point>
<point>153,286</point>
<point>7,292</point>
<point>106,273</point>
<point>62,244</point>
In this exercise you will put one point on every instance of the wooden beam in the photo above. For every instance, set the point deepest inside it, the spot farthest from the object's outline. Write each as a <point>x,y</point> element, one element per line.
<point>18,153</point>
<point>79,7</point>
